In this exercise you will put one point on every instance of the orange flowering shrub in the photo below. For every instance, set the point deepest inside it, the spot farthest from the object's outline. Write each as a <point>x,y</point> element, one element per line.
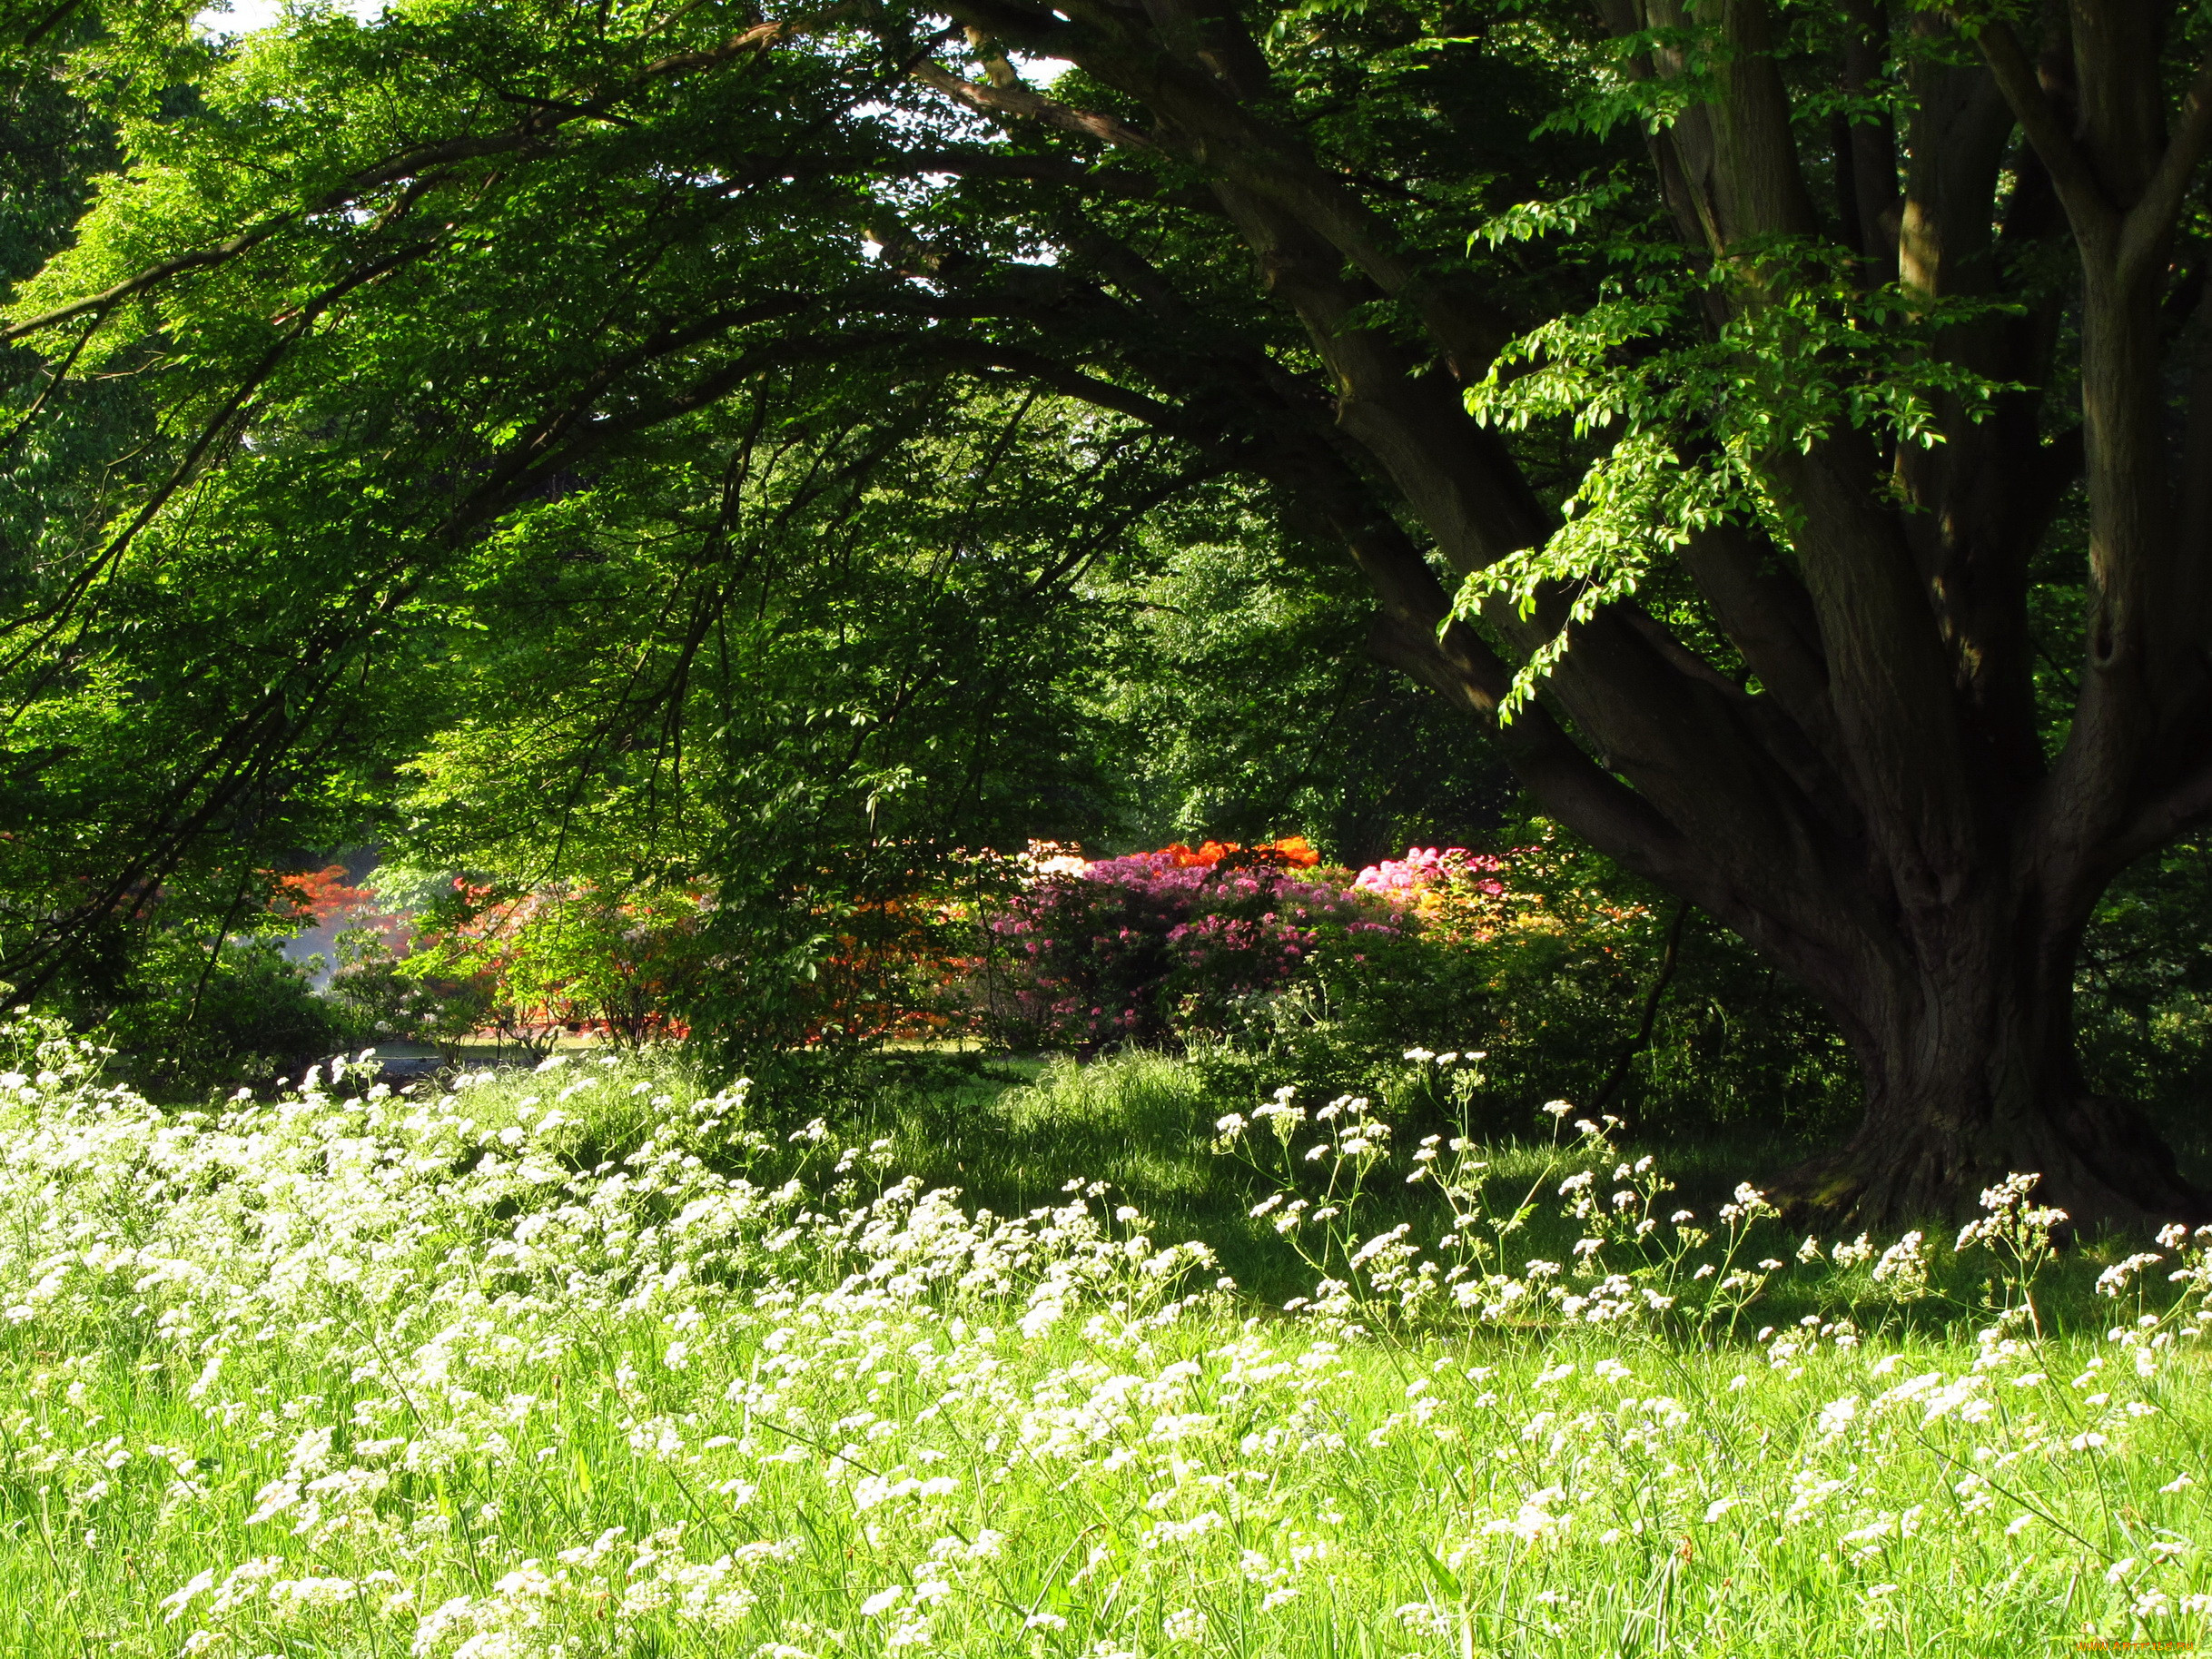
<point>644,966</point>
<point>325,895</point>
<point>1291,852</point>
<point>899,972</point>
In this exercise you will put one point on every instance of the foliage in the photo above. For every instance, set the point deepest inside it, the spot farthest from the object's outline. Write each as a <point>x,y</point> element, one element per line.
<point>697,659</point>
<point>1134,950</point>
<point>812,751</point>
<point>381,995</point>
<point>199,1001</point>
<point>1239,696</point>
<point>1549,960</point>
<point>568,958</point>
<point>654,964</point>
<point>201,1018</point>
<point>581,1356</point>
<point>1697,415</point>
<point>2145,991</point>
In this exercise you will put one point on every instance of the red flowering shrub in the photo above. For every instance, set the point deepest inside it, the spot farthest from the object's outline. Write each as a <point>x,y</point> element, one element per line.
<point>1137,948</point>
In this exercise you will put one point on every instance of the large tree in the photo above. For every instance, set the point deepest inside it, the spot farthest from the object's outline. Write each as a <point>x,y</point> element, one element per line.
<point>1867,792</point>
<point>1777,428</point>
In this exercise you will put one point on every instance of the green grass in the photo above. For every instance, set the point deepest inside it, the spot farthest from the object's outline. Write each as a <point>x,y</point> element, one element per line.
<point>1007,1131</point>
<point>591,1361</point>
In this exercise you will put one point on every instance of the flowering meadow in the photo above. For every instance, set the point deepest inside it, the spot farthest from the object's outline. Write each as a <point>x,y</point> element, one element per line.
<point>588,1361</point>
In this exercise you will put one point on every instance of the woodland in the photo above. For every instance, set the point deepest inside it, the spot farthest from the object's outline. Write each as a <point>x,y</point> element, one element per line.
<point>1108,829</point>
<point>764,466</point>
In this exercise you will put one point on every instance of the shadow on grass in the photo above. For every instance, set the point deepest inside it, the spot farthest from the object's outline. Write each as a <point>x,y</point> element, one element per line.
<point>1013,1132</point>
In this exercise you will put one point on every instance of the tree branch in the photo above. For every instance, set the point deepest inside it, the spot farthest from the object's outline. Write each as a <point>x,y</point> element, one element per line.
<point>1017,101</point>
<point>54,383</point>
<point>2152,218</point>
<point>535,131</point>
<point>2184,805</point>
<point>106,297</point>
<point>1204,124</point>
<point>2094,217</point>
<point>53,614</point>
<point>39,30</point>
<point>1768,616</point>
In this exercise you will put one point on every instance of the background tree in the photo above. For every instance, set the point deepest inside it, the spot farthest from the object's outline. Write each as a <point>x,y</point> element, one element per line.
<point>1242,702</point>
<point>746,661</point>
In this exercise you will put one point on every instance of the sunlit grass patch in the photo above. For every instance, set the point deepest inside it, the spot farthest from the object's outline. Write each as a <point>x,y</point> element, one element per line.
<point>588,1361</point>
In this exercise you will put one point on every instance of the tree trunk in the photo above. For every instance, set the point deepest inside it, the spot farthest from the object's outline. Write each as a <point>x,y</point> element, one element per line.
<point>1861,785</point>
<point>1966,1045</point>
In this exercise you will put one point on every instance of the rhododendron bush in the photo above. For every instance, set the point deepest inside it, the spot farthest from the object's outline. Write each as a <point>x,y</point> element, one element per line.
<point>1139,948</point>
<point>1152,946</point>
<point>1566,974</point>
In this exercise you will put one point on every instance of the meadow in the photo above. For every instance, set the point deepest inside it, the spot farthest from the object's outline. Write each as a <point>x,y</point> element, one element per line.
<point>604,1358</point>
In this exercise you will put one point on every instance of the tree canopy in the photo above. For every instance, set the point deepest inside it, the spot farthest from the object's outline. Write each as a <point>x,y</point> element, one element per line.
<point>1779,428</point>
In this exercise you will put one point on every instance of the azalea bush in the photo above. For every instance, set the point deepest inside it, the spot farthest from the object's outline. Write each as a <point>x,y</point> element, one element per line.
<point>1142,948</point>
<point>905,969</point>
<point>1259,962</point>
<point>815,965</point>
<point>567,956</point>
<point>586,1361</point>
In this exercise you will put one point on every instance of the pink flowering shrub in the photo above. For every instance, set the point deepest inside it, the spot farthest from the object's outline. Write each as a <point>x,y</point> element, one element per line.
<point>1542,958</point>
<point>1422,868</point>
<point>1433,881</point>
<point>1139,948</point>
<point>1456,898</point>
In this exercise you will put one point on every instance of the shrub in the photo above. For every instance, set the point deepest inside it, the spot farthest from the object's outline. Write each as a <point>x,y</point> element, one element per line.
<point>1571,977</point>
<point>379,996</point>
<point>1142,948</point>
<point>855,954</point>
<point>197,1021</point>
<point>1575,980</point>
